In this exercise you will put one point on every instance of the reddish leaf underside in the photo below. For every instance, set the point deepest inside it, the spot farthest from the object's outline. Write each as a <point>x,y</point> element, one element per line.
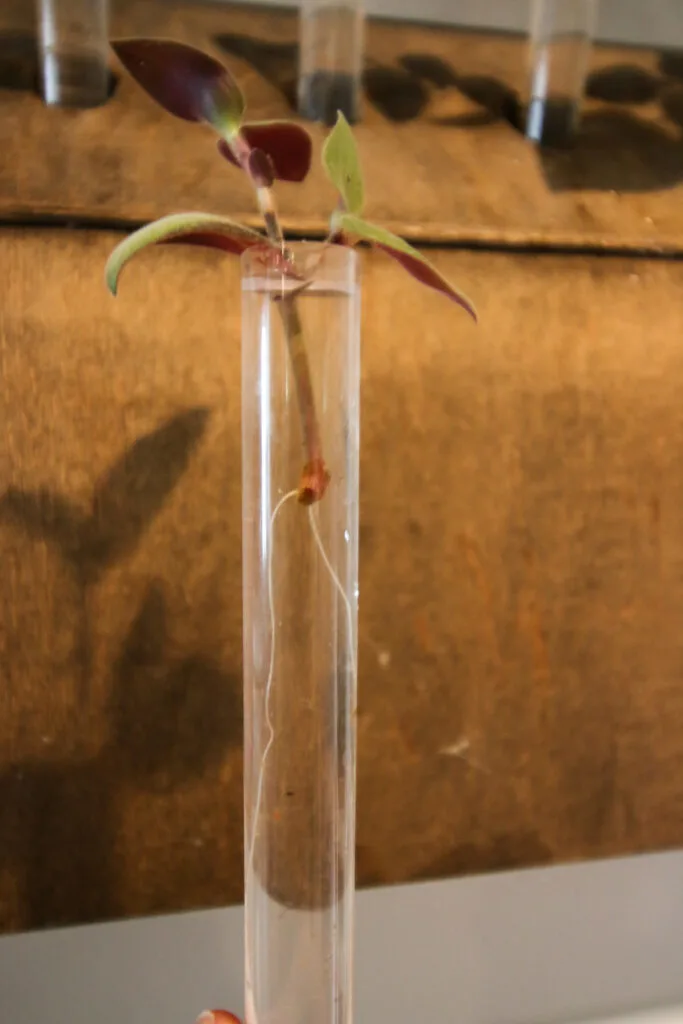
<point>351,228</point>
<point>211,241</point>
<point>427,275</point>
<point>270,258</point>
<point>193,228</point>
<point>183,80</point>
<point>287,144</point>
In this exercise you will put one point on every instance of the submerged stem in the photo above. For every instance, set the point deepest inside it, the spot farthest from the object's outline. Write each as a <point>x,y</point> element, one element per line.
<point>314,475</point>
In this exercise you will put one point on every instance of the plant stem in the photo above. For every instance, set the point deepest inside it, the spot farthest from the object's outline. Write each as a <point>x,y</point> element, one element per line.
<point>314,475</point>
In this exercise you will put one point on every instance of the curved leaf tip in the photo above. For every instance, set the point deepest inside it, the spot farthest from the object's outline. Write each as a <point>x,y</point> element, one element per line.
<point>192,228</point>
<point>417,265</point>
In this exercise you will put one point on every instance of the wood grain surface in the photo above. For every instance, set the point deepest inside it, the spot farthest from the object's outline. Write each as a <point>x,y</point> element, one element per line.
<point>442,160</point>
<point>521,573</point>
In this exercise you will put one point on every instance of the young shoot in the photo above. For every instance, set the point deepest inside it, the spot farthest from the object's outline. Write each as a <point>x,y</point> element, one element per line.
<point>194,86</point>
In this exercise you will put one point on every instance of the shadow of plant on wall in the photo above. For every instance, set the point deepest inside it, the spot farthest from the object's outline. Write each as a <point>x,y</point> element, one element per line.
<point>124,504</point>
<point>170,715</point>
<point>277,63</point>
<point>618,147</point>
<point>172,719</point>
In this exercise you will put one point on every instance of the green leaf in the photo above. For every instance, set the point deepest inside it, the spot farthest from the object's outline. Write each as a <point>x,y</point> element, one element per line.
<point>417,265</point>
<point>224,112</point>
<point>194,228</point>
<point>340,160</point>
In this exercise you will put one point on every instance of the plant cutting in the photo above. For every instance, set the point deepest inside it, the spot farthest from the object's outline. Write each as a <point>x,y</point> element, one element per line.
<point>300,444</point>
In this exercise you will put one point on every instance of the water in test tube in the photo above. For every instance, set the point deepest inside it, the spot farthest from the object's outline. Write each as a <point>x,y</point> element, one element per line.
<point>331,35</point>
<point>73,51</point>
<point>560,43</point>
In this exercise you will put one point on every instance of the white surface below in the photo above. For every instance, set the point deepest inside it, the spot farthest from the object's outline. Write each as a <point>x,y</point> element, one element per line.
<point>574,943</point>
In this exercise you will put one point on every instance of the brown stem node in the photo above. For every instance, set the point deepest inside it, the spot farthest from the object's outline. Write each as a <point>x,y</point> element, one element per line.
<point>314,482</point>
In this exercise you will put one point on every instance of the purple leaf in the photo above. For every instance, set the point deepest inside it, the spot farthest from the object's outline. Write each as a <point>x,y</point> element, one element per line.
<point>287,144</point>
<point>183,80</point>
<point>193,228</point>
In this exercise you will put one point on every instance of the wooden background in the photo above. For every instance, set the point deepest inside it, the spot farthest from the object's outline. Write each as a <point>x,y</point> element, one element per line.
<point>521,655</point>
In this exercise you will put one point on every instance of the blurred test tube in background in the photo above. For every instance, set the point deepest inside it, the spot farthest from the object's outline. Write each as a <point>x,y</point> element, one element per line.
<point>331,38</point>
<point>73,50</point>
<point>17,44</point>
<point>560,42</point>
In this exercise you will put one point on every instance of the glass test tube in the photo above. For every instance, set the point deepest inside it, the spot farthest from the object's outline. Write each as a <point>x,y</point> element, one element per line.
<point>300,580</point>
<point>559,50</point>
<point>331,35</point>
<point>17,45</point>
<point>73,47</point>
